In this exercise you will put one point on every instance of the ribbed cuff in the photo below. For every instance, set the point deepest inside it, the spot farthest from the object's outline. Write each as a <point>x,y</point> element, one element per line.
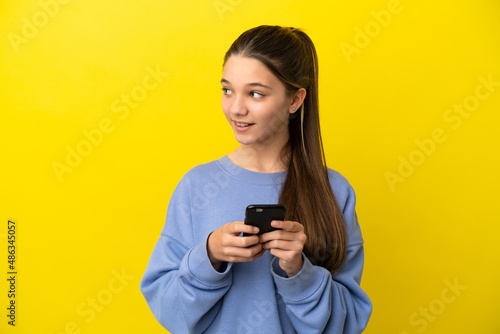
<point>201,268</point>
<point>300,286</point>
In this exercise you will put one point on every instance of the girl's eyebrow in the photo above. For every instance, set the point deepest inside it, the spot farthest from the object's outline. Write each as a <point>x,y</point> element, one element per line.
<point>252,84</point>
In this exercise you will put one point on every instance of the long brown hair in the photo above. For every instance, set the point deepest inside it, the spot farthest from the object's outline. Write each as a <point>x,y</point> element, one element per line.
<point>306,192</point>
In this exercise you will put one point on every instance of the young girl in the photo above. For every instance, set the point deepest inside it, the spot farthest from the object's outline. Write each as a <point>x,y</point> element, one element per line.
<point>203,275</point>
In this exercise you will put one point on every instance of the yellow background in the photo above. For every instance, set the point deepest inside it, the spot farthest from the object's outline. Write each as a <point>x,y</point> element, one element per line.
<point>75,234</point>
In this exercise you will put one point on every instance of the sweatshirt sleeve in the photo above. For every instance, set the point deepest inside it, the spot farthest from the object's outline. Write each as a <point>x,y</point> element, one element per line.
<point>316,301</point>
<point>180,285</point>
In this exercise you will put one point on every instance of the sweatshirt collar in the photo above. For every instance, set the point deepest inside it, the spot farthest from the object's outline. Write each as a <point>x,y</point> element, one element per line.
<point>250,176</point>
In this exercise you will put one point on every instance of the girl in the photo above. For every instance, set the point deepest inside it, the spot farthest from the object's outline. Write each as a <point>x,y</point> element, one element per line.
<point>203,275</point>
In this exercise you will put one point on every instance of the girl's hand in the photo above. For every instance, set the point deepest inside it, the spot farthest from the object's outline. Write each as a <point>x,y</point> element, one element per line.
<point>226,245</point>
<point>286,244</point>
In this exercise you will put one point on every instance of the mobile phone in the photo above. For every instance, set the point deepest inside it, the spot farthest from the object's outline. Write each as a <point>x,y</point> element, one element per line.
<point>261,215</point>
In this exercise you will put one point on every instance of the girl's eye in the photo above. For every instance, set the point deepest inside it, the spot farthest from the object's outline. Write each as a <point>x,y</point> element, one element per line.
<point>227,91</point>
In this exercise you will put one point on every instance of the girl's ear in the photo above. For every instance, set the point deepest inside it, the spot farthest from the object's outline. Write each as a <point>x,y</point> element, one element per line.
<point>297,100</point>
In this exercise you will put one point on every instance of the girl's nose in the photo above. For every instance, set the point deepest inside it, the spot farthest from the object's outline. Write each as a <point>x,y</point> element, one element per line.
<point>238,107</point>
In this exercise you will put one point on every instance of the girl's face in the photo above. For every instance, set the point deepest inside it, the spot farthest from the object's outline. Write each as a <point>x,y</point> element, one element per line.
<point>254,102</point>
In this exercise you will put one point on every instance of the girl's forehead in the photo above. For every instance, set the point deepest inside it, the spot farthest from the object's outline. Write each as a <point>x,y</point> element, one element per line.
<point>239,70</point>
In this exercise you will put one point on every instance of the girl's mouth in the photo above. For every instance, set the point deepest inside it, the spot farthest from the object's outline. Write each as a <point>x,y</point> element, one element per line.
<point>241,126</point>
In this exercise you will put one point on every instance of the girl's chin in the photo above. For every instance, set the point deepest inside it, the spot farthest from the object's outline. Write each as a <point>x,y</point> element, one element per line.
<point>244,141</point>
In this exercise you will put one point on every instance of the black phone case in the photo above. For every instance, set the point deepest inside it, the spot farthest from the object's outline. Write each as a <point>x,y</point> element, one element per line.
<point>261,215</point>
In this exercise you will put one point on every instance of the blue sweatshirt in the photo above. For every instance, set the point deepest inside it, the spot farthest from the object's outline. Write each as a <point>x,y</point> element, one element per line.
<point>187,295</point>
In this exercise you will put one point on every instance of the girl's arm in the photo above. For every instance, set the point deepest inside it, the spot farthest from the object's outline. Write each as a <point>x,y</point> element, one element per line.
<point>316,301</point>
<point>180,285</point>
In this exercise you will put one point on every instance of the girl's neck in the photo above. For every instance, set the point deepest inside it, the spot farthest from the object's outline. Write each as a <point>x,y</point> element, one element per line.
<point>261,161</point>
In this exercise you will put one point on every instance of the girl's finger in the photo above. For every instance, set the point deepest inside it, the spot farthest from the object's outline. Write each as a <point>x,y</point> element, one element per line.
<point>287,225</point>
<point>240,253</point>
<point>283,245</point>
<point>283,235</point>
<point>239,227</point>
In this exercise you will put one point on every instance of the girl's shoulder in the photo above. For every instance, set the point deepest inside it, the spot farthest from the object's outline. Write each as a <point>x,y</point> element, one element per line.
<point>341,187</point>
<point>202,171</point>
